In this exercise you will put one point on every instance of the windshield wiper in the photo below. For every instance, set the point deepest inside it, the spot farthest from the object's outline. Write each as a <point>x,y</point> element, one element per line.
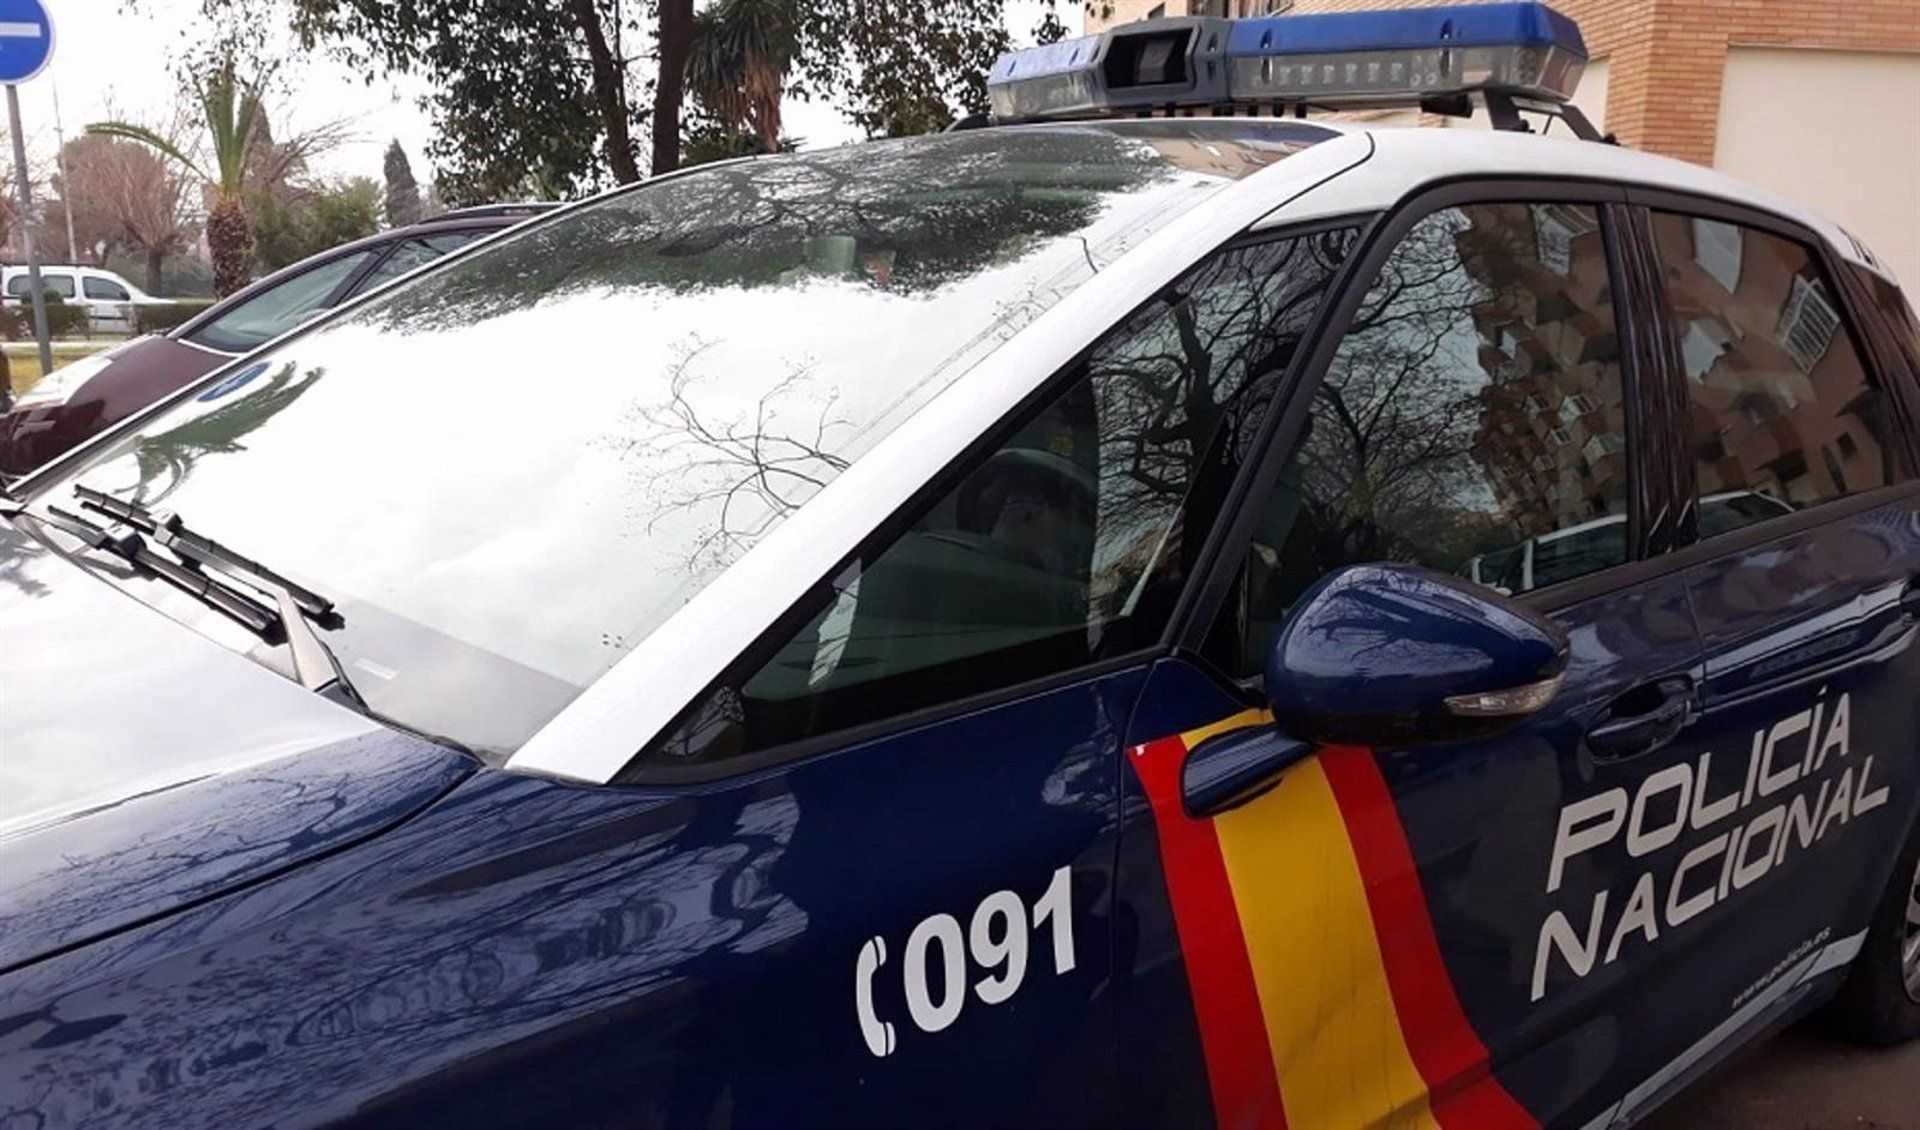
<point>133,549</point>
<point>295,607</point>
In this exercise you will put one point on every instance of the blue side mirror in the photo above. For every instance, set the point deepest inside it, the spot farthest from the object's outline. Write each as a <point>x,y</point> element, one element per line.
<point>1398,655</point>
<point>1383,655</point>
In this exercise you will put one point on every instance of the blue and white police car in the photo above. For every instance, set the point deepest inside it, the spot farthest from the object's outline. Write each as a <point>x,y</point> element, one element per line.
<point>1158,610</point>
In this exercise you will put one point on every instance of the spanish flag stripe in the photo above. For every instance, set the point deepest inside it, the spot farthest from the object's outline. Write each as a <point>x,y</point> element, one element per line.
<point>1240,1071</point>
<point>1330,1016</point>
<point>1450,1056</point>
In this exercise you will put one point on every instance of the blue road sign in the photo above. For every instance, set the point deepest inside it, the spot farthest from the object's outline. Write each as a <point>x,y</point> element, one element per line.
<point>26,39</point>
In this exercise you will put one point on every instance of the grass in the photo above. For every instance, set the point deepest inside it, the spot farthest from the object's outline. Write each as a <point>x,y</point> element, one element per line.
<point>23,359</point>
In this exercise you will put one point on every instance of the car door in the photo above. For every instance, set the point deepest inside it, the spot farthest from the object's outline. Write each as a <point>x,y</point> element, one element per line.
<point>108,304</point>
<point>932,742</point>
<point>1456,935</point>
<point>1803,574</point>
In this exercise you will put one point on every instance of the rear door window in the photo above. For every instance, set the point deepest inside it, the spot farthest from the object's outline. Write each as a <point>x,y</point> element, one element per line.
<point>415,252</point>
<point>54,284</point>
<point>1784,414</point>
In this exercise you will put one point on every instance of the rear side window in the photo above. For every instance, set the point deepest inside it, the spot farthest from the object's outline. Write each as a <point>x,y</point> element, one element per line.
<point>1472,420</point>
<point>1067,544</point>
<point>278,309</point>
<point>61,285</point>
<point>1784,414</point>
<point>415,252</point>
<point>105,290</point>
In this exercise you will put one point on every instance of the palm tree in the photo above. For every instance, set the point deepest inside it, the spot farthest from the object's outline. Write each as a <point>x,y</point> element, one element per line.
<point>234,120</point>
<point>737,68</point>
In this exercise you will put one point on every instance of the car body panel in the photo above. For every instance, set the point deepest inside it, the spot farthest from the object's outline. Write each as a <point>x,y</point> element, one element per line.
<point>101,869</point>
<point>138,375</point>
<point>613,953</point>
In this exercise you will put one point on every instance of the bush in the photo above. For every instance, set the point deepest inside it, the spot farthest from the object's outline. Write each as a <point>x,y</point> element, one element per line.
<point>63,319</point>
<point>161,318</point>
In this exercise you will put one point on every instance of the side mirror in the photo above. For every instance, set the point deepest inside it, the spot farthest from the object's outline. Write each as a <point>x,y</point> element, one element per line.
<point>1380,655</point>
<point>1398,655</point>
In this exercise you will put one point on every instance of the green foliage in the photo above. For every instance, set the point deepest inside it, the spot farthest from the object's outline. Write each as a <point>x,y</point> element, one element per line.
<point>903,72</point>
<point>64,319</point>
<point>512,104</point>
<point>704,141</point>
<point>230,108</point>
<point>517,112</point>
<point>403,192</point>
<point>161,318</point>
<point>288,230</point>
<point>738,63</point>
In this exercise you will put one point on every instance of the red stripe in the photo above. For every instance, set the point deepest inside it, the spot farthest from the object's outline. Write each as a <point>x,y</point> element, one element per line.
<point>1445,1048</point>
<point>1233,1033</point>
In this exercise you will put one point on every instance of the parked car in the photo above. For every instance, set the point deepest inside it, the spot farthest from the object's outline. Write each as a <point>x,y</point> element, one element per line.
<point>961,636</point>
<point>94,393</point>
<point>109,299</point>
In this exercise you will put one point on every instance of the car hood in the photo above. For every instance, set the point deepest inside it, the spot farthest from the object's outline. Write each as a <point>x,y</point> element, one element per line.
<point>144,767</point>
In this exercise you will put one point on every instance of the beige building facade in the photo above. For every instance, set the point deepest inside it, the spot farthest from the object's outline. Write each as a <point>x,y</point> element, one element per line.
<point>1818,100</point>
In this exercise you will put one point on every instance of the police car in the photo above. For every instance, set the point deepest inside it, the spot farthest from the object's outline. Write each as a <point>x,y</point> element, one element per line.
<point>987,638</point>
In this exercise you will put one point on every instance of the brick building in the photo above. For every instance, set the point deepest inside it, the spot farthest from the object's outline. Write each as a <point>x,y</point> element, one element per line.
<point>1818,99</point>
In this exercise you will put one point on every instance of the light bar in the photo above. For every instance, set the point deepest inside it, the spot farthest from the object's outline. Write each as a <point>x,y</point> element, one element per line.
<point>1401,56</point>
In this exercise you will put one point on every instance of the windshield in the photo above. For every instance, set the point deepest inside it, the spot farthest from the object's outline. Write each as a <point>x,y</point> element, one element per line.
<point>509,471</point>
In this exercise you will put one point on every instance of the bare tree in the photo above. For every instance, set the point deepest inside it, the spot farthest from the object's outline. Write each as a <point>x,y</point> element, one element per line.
<point>125,197</point>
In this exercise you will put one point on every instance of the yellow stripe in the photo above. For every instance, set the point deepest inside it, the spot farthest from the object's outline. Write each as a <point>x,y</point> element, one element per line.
<point>1337,1045</point>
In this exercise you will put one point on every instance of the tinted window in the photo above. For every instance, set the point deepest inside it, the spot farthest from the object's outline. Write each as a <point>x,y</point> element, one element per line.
<point>1069,543</point>
<point>1784,414</point>
<point>53,284</point>
<point>278,309</point>
<point>415,252</point>
<point>1899,316</point>
<point>1472,421</point>
<point>105,290</point>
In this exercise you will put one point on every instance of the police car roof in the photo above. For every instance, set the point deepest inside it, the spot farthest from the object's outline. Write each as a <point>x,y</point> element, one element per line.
<point>1392,161</point>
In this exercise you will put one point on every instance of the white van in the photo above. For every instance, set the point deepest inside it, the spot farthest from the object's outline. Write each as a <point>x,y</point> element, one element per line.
<point>109,299</point>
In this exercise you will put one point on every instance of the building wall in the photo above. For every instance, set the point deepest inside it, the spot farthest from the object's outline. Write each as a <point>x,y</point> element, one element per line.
<point>1839,78</point>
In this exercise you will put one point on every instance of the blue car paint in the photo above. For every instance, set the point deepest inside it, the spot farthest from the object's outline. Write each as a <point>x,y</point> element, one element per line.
<point>647,957</point>
<point>100,871</point>
<point>1376,649</point>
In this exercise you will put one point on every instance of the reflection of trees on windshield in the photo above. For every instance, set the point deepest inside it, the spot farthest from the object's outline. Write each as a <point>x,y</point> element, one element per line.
<point>171,454</point>
<point>1068,543</point>
<point>907,216</point>
<point>724,460</point>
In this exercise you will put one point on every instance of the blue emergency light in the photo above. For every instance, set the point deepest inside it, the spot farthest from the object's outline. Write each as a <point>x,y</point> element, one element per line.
<point>1432,57</point>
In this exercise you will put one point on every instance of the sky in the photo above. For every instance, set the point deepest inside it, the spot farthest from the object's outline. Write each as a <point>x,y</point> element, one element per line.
<point>114,59</point>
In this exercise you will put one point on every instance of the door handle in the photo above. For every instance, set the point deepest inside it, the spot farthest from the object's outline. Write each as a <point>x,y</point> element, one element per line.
<point>1910,600</point>
<point>1643,720</point>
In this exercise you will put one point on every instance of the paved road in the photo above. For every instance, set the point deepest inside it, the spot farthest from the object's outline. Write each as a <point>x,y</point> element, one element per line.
<point>1802,1082</point>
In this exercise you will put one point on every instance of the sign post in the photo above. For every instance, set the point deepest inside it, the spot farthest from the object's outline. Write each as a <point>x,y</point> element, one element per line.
<point>26,43</point>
